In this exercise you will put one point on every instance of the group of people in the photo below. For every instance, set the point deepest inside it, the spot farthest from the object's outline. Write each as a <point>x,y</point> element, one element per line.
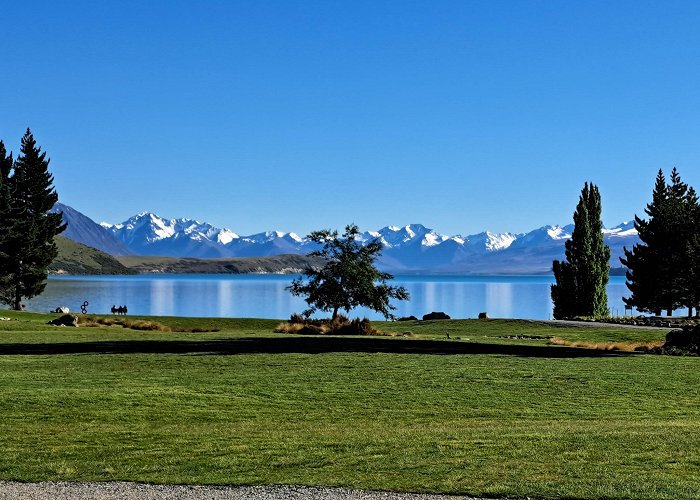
<point>119,310</point>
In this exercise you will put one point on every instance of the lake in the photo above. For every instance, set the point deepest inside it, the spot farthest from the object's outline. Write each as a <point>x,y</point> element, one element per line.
<point>264,296</point>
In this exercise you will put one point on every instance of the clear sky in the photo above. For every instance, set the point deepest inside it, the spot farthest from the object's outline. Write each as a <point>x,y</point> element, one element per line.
<point>293,115</point>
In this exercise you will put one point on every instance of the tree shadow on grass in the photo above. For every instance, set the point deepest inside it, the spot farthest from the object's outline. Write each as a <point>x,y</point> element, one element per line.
<point>303,345</point>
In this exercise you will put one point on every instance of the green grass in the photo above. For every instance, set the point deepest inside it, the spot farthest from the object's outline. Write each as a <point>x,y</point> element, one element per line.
<point>595,426</point>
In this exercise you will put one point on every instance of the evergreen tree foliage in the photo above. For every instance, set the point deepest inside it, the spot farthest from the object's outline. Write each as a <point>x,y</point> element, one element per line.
<point>564,291</point>
<point>581,280</point>
<point>6,221</point>
<point>658,267</point>
<point>690,278</point>
<point>349,278</point>
<point>644,262</point>
<point>27,245</point>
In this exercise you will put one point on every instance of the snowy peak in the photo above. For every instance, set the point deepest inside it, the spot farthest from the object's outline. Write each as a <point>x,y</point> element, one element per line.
<point>558,233</point>
<point>392,236</point>
<point>413,247</point>
<point>491,242</point>
<point>432,239</point>
<point>269,236</point>
<point>149,234</point>
<point>622,230</point>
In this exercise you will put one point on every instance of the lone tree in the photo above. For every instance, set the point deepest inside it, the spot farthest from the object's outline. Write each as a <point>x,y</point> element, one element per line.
<point>349,278</point>
<point>662,268</point>
<point>581,279</point>
<point>27,244</point>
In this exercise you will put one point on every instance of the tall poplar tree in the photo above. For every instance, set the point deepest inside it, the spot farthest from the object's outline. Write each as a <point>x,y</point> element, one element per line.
<point>581,279</point>
<point>28,243</point>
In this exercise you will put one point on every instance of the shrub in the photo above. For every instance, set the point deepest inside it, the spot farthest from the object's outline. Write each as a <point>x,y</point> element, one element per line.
<point>341,325</point>
<point>683,341</point>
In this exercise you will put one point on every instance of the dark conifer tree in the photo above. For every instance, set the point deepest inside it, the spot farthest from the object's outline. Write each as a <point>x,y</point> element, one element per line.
<point>581,280</point>
<point>5,212</point>
<point>658,267</point>
<point>644,263</point>
<point>564,291</point>
<point>690,277</point>
<point>29,244</point>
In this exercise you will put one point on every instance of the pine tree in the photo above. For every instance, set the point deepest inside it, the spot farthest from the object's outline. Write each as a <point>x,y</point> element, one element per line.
<point>6,225</point>
<point>690,277</point>
<point>658,267</point>
<point>581,280</point>
<point>28,243</point>
<point>644,264</point>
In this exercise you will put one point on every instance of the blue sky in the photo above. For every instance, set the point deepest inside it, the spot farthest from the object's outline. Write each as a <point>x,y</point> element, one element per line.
<point>463,116</point>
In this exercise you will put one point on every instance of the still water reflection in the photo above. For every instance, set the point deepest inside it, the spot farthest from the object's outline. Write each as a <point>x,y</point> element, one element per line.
<point>264,296</point>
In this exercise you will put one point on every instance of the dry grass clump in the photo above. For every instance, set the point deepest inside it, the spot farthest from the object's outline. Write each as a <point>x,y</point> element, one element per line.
<point>136,324</point>
<point>609,346</point>
<point>340,326</point>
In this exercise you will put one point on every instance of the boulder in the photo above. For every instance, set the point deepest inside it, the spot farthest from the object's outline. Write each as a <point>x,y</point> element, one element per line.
<point>435,315</point>
<point>484,315</point>
<point>407,318</point>
<point>65,320</point>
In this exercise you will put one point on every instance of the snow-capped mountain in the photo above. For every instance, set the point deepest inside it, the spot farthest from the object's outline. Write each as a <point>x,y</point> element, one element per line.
<point>148,234</point>
<point>410,249</point>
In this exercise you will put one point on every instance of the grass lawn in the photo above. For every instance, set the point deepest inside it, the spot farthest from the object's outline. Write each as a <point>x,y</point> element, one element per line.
<point>483,414</point>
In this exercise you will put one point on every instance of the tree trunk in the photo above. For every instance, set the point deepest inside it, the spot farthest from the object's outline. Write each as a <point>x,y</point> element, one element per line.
<point>657,312</point>
<point>335,313</point>
<point>18,299</point>
<point>690,311</point>
<point>669,311</point>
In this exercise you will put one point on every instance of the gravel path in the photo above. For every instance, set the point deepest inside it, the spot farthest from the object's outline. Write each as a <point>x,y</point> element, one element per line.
<point>594,324</point>
<point>10,490</point>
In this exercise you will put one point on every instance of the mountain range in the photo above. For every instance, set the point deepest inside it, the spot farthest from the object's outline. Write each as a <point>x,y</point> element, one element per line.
<point>407,249</point>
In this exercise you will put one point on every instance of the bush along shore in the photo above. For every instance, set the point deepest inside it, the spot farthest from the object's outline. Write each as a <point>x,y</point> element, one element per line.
<point>683,341</point>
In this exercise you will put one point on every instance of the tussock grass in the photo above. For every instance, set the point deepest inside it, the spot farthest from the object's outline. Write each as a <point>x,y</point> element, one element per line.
<point>609,346</point>
<point>340,326</point>
<point>136,324</point>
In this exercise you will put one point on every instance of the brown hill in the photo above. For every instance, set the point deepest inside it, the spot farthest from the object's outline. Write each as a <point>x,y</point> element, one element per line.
<point>278,264</point>
<point>76,258</point>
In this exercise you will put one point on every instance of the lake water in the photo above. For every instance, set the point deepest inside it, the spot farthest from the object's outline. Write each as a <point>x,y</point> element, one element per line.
<point>264,296</point>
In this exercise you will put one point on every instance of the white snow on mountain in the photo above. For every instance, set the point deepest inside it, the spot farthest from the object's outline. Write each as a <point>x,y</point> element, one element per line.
<point>393,236</point>
<point>432,238</point>
<point>558,233</point>
<point>413,247</point>
<point>622,230</point>
<point>491,241</point>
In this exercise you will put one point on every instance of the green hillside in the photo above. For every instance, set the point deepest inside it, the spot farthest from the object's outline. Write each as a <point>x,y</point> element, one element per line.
<point>75,258</point>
